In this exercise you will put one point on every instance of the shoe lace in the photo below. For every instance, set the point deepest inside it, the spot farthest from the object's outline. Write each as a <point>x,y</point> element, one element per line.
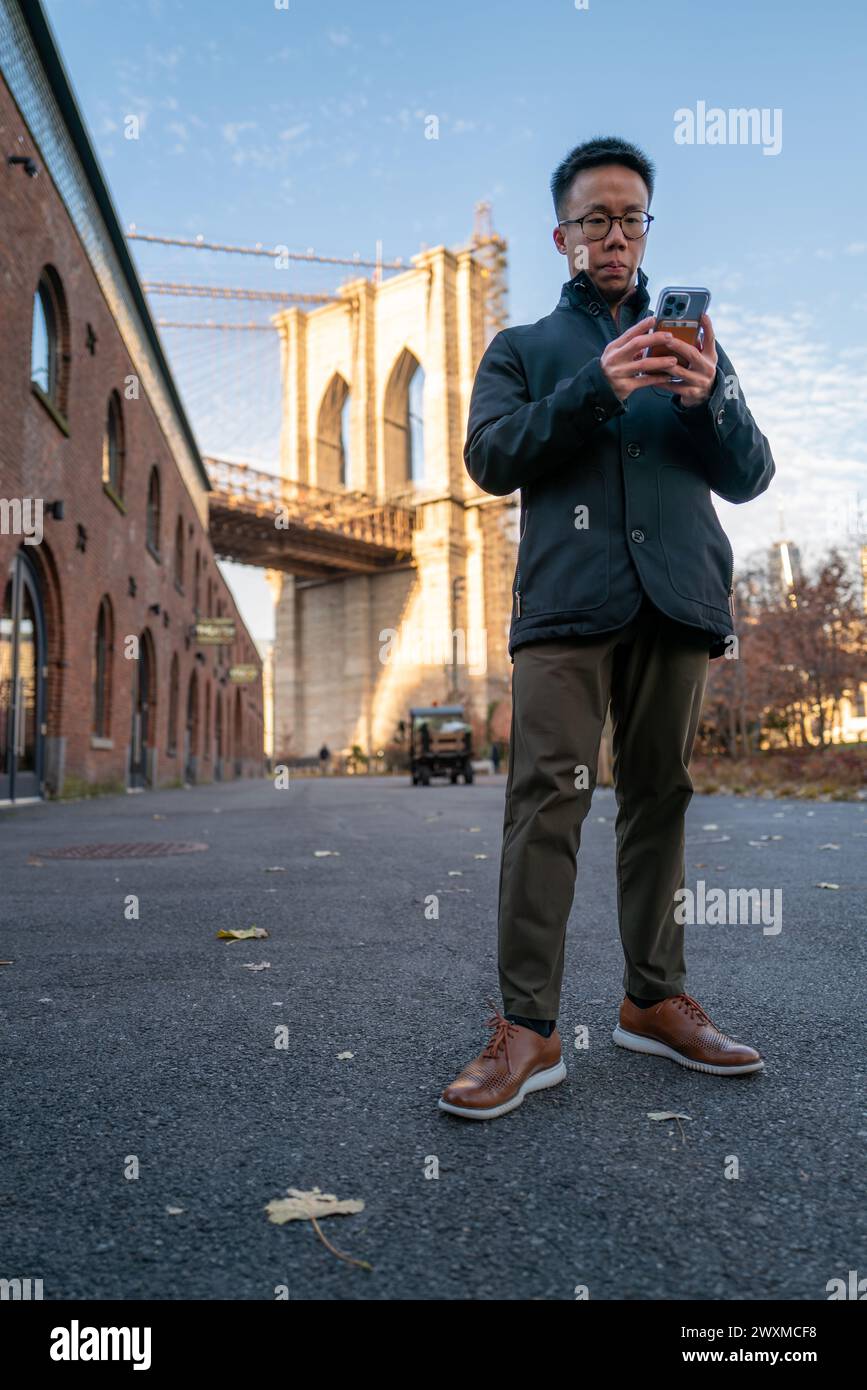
<point>691,1007</point>
<point>501,1028</point>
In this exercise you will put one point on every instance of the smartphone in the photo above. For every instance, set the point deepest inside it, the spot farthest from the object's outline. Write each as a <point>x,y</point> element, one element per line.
<point>678,312</point>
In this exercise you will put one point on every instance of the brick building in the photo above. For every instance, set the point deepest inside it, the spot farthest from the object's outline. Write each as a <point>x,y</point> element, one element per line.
<point>107,575</point>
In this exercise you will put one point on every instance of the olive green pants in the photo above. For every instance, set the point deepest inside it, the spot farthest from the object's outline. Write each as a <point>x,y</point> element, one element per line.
<point>653,674</point>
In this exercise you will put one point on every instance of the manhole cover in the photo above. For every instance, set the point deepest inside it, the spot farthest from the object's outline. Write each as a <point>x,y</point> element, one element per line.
<point>153,849</point>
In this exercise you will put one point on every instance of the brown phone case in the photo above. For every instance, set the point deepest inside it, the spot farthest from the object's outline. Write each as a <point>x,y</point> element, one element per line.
<point>684,323</point>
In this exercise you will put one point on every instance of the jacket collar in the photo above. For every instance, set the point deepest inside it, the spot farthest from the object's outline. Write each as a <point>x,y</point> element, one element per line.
<point>581,291</point>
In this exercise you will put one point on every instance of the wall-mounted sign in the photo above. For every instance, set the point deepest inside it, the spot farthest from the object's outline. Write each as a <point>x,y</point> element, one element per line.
<point>243,674</point>
<point>215,631</point>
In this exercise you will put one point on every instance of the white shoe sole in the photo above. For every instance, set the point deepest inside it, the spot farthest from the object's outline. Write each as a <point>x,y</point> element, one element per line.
<point>660,1049</point>
<point>539,1081</point>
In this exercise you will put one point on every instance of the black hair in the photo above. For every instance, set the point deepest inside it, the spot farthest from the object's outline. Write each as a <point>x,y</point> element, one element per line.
<point>604,149</point>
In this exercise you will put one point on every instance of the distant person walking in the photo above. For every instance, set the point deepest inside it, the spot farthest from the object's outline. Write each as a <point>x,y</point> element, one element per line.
<point>495,756</point>
<point>324,758</point>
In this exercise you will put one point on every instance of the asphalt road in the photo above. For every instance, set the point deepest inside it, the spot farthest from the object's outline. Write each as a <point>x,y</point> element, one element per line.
<point>149,1039</point>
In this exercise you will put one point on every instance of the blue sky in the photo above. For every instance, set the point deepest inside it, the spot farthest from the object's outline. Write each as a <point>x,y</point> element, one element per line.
<point>305,126</point>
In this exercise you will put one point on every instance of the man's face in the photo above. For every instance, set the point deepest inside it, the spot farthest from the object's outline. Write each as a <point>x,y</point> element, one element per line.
<point>612,262</point>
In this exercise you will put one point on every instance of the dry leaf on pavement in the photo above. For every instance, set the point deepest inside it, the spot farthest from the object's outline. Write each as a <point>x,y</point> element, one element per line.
<point>307,1206</point>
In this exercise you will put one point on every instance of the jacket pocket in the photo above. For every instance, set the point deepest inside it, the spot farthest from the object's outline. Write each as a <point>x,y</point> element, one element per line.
<point>698,554</point>
<point>564,552</point>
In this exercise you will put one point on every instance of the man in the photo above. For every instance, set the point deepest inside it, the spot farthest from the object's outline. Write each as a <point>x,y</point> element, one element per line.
<point>622,592</point>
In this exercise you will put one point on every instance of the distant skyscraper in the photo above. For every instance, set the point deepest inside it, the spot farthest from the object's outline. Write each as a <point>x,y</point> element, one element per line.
<point>784,567</point>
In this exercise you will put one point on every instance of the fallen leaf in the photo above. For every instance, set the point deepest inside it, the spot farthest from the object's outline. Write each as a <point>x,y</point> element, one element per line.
<point>670,1115</point>
<point>175,1211</point>
<point>262,965</point>
<point>829,847</point>
<point>827,885</point>
<point>456,873</point>
<point>275,869</point>
<point>345,1056</point>
<point>323,853</point>
<point>710,827</point>
<point>303,1206</point>
<point>307,1206</point>
<point>480,856</point>
<point>246,935</point>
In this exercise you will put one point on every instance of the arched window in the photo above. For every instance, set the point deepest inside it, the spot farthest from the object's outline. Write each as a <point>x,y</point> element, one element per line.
<point>49,342</point>
<point>153,513</point>
<point>173,708</point>
<point>102,666</point>
<point>332,436</point>
<point>403,419</point>
<point>197,580</point>
<point>113,446</point>
<point>43,343</point>
<point>179,554</point>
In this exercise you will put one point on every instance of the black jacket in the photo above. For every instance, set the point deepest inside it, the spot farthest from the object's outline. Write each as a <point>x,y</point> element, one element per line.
<point>544,419</point>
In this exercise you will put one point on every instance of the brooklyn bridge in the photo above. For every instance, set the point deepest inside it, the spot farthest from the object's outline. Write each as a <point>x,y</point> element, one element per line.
<point>365,522</point>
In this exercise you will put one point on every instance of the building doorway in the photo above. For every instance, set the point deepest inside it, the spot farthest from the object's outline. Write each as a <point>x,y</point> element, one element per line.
<point>22,682</point>
<point>140,758</point>
<point>191,731</point>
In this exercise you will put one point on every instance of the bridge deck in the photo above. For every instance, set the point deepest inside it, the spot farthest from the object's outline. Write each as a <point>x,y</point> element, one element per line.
<point>257,518</point>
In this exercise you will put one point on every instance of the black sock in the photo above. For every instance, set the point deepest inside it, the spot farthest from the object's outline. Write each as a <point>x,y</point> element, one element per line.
<point>642,1003</point>
<point>543,1026</point>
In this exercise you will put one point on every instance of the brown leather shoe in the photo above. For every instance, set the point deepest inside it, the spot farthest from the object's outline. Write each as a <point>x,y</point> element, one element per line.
<point>679,1028</point>
<point>517,1060</point>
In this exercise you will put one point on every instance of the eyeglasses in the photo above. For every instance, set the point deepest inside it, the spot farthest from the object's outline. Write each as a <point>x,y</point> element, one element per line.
<point>597,225</point>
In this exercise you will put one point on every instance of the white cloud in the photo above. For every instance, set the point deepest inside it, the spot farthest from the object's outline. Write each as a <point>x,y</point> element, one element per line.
<point>233,129</point>
<point>806,397</point>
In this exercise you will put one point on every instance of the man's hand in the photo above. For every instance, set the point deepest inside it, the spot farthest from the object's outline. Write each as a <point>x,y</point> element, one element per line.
<point>623,365</point>
<point>699,372</point>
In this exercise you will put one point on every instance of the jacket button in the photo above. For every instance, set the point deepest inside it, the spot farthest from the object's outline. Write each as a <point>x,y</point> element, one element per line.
<point>638,535</point>
<point>633,450</point>
<point>593,308</point>
<point>720,415</point>
<point>600,412</point>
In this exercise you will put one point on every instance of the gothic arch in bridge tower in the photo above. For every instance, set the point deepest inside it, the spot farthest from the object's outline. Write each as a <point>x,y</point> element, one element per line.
<point>403,424</point>
<point>332,453</point>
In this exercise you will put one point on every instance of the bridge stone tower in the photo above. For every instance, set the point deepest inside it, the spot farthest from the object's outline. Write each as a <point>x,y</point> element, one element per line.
<point>376,390</point>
